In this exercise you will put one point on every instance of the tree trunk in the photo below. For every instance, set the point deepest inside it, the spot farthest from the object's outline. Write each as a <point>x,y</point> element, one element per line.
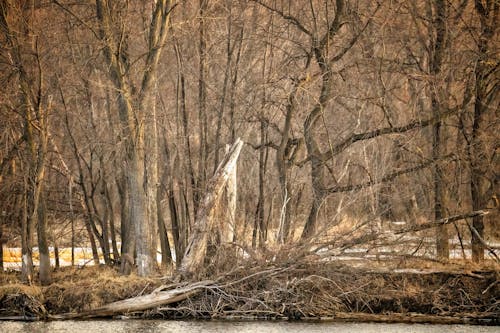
<point>486,96</point>
<point>229,223</point>
<point>202,106</point>
<point>1,240</point>
<point>442,238</point>
<point>174,220</point>
<point>43,248</point>
<point>26,240</point>
<point>166,254</point>
<point>127,229</point>
<point>136,110</point>
<point>197,246</point>
<point>436,60</point>
<point>138,213</point>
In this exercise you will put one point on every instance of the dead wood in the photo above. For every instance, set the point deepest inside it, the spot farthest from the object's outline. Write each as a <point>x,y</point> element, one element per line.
<point>140,303</point>
<point>443,221</point>
<point>197,245</point>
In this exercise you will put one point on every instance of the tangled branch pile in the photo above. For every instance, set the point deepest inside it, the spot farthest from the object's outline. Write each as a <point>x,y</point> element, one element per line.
<point>318,290</point>
<point>306,289</point>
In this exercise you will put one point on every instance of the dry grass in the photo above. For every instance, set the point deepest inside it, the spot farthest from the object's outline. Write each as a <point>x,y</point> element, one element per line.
<point>75,289</point>
<point>269,289</point>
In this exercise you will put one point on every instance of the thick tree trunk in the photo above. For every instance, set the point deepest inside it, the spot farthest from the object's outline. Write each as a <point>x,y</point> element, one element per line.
<point>138,213</point>
<point>137,110</point>
<point>140,303</point>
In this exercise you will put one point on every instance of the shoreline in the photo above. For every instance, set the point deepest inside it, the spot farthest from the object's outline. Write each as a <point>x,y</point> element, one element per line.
<point>307,291</point>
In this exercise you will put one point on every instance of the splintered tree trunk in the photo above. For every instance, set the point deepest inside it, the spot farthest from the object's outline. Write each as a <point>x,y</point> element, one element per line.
<point>197,245</point>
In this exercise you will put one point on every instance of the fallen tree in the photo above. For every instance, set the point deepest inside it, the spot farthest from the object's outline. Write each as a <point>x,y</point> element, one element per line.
<point>157,298</point>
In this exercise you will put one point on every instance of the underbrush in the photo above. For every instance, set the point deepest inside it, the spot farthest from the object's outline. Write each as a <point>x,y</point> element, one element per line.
<point>304,289</point>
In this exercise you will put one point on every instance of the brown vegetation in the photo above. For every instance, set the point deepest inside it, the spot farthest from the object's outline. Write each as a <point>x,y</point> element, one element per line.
<point>308,289</point>
<point>348,120</point>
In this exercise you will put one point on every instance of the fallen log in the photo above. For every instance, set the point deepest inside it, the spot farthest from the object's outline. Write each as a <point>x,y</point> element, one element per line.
<point>140,303</point>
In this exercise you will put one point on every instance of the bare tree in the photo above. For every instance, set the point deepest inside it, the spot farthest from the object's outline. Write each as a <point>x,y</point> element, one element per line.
<point>137,115</point>
<point>484,177</point>
<point>16,22</point>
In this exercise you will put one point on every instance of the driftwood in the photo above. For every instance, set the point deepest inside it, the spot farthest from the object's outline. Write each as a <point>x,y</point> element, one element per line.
<point>197,245</point>
<point>140,303</point>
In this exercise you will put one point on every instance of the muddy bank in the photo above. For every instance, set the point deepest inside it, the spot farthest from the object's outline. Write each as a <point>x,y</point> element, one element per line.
<point>312,290</point>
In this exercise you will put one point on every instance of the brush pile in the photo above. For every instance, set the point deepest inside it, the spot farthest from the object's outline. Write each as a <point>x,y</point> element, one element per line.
<point>307,289</point>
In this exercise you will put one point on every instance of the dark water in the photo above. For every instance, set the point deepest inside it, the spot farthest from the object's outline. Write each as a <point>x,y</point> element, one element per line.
<point>154,326</point>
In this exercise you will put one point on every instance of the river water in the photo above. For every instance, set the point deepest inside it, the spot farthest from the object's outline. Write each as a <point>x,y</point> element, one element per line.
<point>162,326</point>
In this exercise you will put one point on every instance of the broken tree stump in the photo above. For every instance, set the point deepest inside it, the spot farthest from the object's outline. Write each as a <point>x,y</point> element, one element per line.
<point>197,245</point>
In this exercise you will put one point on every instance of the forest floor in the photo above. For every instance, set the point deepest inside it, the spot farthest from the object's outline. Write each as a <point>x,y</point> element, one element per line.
<point>306,289</point>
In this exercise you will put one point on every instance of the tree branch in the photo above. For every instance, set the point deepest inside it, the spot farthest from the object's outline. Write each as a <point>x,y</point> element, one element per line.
<point>337,149</point>
<point>10,155</point>
<point>443,221</point>
<point>290,18</point>
<point>386,178</point>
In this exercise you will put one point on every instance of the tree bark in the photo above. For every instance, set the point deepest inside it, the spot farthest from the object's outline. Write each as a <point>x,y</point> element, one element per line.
<point>436,61</point>
<point>135,109</point>
<point>197,246</point>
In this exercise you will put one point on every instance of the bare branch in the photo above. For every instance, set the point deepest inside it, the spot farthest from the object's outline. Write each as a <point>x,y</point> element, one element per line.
<point>443,221</point>
<point>337,149</point>
<point>386,178</point>
<point>290,18</point>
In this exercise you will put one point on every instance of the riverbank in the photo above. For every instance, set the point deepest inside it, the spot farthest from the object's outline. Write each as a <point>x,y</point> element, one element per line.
<point>305,290</point>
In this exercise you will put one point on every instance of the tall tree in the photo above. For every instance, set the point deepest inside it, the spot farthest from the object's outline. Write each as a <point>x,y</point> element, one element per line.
<point>136,109</point>
<point>17,25</point>
<point>487,83</point>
